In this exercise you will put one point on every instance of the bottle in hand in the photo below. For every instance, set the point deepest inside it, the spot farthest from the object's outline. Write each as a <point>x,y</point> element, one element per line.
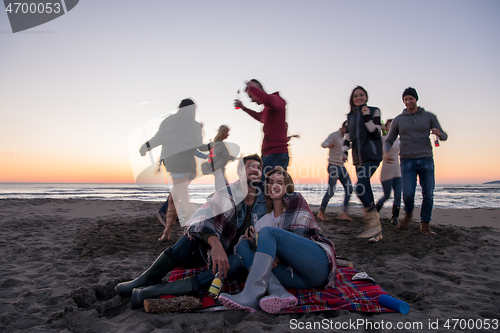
<point>436,141</point>
<point>238,98</point>
<point>216,286</point>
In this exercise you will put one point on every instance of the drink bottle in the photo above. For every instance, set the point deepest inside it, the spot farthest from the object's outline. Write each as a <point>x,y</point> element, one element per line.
<point>436,141</point>
<point>238,98</point>
<point>216,286</point>
<point>384,132</point>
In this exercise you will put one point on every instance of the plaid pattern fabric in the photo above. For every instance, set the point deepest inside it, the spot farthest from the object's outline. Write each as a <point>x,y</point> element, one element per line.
<point>217,216</point>
<point>299,219</point>
<point>361,296</point>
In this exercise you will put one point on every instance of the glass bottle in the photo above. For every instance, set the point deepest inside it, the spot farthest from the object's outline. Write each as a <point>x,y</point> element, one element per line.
<point>238,99</point>
<point>216,286</point>
<point>384,132</point>
<point>436,141</point>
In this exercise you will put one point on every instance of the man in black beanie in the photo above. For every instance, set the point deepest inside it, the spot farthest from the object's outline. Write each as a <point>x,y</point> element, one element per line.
<point>414,125</point>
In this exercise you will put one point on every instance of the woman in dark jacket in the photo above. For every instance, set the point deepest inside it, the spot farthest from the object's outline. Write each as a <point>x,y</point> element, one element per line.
<point>363,132</point>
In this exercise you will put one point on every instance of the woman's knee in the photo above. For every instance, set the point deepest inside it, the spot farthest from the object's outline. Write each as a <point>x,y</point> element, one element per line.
<point>266,231</point>
<point>243,247</point>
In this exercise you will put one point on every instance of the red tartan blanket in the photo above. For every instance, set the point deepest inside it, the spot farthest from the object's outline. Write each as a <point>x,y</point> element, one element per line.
<point>349,295</point>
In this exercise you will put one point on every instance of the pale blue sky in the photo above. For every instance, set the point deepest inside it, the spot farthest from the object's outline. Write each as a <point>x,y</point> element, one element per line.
<point>69,89</point>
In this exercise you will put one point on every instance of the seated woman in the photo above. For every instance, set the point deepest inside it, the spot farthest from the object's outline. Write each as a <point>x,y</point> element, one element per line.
<point>291,251</point>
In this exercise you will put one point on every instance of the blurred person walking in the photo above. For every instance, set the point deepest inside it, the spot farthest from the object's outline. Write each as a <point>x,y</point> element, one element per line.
<point>390,177</point>
<point>180,137</point>
<point>336,171</point>
<point>273,116</point>
<point>363,131</point>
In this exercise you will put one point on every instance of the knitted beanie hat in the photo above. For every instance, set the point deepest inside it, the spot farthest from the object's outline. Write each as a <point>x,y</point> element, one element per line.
<point>410,91</point>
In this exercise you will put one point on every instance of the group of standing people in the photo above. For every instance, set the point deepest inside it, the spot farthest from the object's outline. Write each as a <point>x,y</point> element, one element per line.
<point>408,136</point>
<point>180,136</point>
<point>259,223</point>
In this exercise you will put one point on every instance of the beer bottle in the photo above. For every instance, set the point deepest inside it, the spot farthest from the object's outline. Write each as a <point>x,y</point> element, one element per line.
<point>216,286</point>
<point>238,98</point>
<point>384,132</point>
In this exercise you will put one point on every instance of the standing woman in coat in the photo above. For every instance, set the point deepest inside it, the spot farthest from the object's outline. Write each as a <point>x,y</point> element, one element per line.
<point>364,133</point>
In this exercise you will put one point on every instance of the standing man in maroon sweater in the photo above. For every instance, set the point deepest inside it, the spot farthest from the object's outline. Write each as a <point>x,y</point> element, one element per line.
<point>275,142</point>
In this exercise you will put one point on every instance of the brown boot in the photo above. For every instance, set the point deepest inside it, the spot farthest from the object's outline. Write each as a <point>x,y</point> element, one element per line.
<point>425,229</point>
<point>403,223</point>
<point>372,224</point>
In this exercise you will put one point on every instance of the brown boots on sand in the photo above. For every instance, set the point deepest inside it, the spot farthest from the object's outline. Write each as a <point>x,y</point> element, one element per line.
<point>424,226</point>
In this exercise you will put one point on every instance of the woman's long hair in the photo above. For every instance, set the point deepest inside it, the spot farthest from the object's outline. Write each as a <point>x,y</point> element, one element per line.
<point>289,186</point>
<point>351,102</point>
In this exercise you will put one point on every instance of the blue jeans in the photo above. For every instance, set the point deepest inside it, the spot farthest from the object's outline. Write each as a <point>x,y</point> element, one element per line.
<point>424,168</point>
<point>163,208</point>
<point>303,263</point>
<point>191,253</point>
<point>337,172</point>
<point>363,187</point>
<point>397,186</point>
<point>269,162</point>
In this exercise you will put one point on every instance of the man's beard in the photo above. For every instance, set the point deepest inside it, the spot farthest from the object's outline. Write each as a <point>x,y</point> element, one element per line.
<point>253,183</point>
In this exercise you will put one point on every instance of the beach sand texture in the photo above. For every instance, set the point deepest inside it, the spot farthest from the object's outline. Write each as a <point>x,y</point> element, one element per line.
<point>60,261</point>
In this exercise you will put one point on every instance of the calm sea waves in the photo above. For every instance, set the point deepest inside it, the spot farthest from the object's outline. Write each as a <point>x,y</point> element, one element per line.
<point>445,196</point>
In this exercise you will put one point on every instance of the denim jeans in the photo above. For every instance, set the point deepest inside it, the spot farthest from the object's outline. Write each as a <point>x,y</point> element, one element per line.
<point>387,185</point>
<point>164,207</point>
<point>363,187</point>
<point>424,168</point>
<point>189,253</point>
<point>303,263</point>
<point>337,172</point>
<point>269,162</point>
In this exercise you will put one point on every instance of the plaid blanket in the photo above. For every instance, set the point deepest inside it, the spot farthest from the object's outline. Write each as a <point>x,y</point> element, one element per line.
<point>361,296</point>
<point>299,219</point>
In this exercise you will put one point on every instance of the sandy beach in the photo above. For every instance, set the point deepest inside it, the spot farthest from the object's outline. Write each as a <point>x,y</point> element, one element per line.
<point>60,261</point>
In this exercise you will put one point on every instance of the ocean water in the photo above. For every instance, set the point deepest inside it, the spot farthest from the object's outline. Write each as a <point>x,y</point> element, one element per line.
<point>445,196</point>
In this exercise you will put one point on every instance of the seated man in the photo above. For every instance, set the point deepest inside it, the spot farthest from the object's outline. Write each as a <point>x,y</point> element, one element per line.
<point>214,229</point>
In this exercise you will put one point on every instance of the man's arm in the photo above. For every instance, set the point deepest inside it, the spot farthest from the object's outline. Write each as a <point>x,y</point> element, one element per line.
<point>252,113</point>
<point>269,100</point>
<point>219,256</point>
<point>437,130</point>
<point>255,115</point>
<point>328,141</point>
<point>150,144</point>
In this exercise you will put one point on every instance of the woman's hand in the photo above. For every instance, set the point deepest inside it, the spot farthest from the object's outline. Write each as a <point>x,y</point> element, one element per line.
<point>250,233</point>
<point>387,157</point>
<point>365,110</point>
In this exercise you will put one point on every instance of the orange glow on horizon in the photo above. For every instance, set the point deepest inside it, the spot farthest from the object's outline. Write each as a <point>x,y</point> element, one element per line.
<point>303,172</point>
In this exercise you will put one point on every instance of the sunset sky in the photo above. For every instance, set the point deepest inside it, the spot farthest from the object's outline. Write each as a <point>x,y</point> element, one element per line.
<point>74,89</point>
